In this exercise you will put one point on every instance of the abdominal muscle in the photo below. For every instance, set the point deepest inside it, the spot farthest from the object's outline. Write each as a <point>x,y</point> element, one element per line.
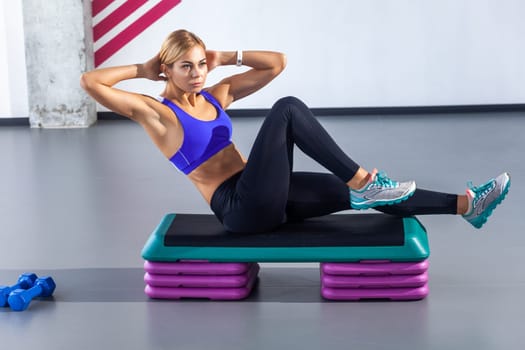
<point>213,172</point>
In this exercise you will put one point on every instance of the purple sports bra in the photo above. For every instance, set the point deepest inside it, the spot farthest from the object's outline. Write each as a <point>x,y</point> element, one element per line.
<point>202,139</point>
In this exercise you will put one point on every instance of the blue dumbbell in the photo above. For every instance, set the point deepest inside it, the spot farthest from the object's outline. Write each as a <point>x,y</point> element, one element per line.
<point>25,281</point>
<point>20,299</point>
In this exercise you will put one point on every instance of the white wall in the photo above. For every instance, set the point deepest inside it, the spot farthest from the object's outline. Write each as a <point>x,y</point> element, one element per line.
<point>13,82</point>
<point>5,104</point>
<point>362,53</point>
<point>340,53</point>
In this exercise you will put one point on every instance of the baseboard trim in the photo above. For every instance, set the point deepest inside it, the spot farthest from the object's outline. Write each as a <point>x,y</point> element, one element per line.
<point>333,112</point>
<point>360,111</point>
<point>14,121</point>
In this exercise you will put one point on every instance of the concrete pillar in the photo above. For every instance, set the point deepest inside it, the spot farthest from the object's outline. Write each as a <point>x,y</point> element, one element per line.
<point>59,47</point>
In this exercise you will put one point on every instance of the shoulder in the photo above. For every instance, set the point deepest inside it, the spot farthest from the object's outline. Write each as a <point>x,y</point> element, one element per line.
<point>162,125</point>
<point>220,92</point>
<point>156,113</point>
<point>150,100</point>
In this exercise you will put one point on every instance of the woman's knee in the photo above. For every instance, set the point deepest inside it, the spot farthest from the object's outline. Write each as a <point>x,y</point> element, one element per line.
<point>286,108</point>
<point>285,102</point>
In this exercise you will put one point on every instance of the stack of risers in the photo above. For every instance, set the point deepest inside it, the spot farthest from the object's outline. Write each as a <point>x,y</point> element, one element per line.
<point>375,279</point>
<point>199,279</point>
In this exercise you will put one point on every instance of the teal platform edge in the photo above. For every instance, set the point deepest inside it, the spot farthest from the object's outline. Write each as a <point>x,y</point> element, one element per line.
<point>415,248</point>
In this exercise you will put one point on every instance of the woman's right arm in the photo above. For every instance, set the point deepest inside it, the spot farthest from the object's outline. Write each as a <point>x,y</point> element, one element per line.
<point>99,85</point>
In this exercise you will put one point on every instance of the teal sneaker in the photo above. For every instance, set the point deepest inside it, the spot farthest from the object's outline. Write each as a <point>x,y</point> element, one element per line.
<point>485,198</point>
<point>380,190</point>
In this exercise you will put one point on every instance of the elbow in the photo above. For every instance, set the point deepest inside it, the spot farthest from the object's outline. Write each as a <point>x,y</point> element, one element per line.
<point>282,62</point>
<point>279,64</point>
<point>86,82</point>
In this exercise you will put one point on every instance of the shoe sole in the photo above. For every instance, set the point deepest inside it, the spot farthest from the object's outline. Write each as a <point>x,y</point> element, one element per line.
<point>378,203</point>
<point>492,206</point>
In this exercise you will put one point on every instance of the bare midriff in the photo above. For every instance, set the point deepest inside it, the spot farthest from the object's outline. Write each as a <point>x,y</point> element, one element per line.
<point>213,172</point>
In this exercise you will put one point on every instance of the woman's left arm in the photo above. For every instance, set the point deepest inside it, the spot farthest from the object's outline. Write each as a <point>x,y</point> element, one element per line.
<point>266,65</point>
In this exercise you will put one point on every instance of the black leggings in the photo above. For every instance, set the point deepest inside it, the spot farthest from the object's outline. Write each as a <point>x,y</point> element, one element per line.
<point>268,193</point>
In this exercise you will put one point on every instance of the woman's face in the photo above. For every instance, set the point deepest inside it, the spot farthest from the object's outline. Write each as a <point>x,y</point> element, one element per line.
<point>189,72</point>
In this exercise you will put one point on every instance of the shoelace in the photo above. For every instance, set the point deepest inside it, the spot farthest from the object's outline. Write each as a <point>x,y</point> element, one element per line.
<point>480,191</point>
<point>384,181</point>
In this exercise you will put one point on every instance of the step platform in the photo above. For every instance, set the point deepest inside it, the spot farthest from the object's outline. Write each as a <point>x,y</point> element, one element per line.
<point>193,256</point>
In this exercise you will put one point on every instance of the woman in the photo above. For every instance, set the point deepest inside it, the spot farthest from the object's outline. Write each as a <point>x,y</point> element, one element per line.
<point>189,126</point>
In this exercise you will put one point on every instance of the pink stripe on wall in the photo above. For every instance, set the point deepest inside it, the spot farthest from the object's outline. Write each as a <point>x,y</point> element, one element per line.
<point>98,5</point>
<point>133,30</point>
<point>116,17</point>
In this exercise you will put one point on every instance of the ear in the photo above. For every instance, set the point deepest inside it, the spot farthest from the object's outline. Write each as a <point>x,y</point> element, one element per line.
<point>164,69</point>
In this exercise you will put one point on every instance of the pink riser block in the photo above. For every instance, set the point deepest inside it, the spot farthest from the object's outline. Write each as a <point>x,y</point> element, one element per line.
<point>196,268</point>
<point>383,293</point>
<point>374,268</point>
<point>387,281</point>
<point>201,281</point>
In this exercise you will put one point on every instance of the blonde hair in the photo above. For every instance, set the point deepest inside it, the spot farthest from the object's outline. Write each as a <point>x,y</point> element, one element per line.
<point>176,45</point>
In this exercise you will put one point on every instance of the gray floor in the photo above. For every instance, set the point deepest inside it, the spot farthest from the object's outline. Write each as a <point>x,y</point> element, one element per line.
<point>80,204</point>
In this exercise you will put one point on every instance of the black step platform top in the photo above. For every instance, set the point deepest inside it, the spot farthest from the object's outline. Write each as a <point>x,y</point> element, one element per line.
<point>201,230</point>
